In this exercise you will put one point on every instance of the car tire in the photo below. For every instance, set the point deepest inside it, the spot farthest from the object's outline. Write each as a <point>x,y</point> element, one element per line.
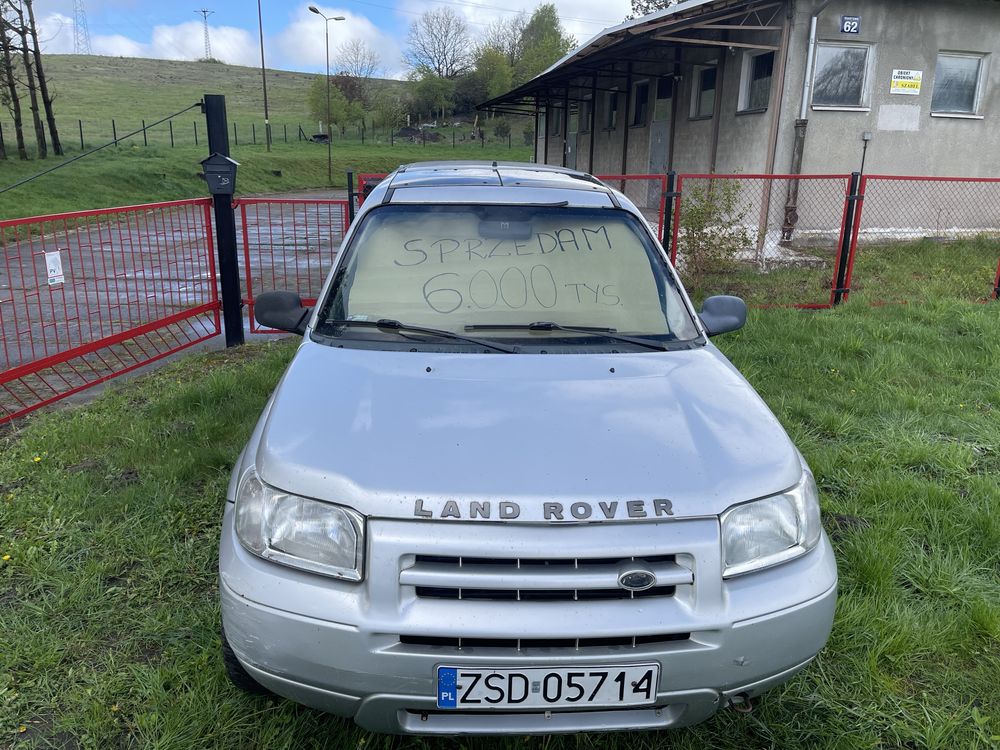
<point>236,673</point>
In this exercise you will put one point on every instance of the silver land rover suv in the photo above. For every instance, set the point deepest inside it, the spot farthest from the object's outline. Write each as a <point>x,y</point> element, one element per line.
<point>508,485</point>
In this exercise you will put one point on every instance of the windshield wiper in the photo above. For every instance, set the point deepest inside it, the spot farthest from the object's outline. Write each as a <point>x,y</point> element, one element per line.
<point>387,324</point>
<point>608,333</point>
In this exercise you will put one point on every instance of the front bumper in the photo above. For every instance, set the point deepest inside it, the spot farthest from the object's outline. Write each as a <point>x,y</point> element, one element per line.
<point>337,646</point>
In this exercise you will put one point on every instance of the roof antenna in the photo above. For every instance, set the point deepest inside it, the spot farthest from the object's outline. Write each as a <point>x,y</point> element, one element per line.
<point>494,164</point>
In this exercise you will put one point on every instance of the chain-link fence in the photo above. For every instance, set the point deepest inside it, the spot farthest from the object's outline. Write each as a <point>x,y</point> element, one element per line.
<point>774,239</point>
<point>916,236</point>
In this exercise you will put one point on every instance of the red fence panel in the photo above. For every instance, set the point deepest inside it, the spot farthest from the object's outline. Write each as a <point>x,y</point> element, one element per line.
<point>288,244</point>
<point>774,239</point>
<point>89,295</point>
<point>937,234</point>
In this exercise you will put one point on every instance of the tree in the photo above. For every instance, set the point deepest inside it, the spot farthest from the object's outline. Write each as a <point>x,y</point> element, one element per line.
<point>439,42</point>
<point>342,112</point>
<point>504,36</point>
<point>542,43</point>
<point>43,86</point>
<point>10,96</point>
<point>433,94</point>
<point>389,108</point>
<point>15,31</point>
<point>496,73</point>
<point>358,60</point>
<point>645,7</point>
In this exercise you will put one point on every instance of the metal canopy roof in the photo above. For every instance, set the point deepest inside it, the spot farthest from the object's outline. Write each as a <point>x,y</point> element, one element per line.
<point>694,23</point>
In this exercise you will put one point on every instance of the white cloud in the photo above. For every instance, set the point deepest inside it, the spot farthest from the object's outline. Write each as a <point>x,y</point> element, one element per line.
<point>186,41</point>
<point>117,45</point>
<point>183,41</point>
<point>55,32</point>
<point>302,43</point>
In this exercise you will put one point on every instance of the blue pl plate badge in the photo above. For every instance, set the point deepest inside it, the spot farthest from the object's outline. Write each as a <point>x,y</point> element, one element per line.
<point>447,687</point>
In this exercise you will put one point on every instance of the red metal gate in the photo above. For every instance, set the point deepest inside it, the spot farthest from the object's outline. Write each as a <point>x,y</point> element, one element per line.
<point>288,244</point>
<point>89,295</point>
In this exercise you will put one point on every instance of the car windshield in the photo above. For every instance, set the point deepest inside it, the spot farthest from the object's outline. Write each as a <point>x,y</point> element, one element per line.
<point>492,271</point>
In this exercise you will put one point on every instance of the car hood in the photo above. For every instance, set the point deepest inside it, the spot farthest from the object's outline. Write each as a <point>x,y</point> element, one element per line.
<point>431,435</point>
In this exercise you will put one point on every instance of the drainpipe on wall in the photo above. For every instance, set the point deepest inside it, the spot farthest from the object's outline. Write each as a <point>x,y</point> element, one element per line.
<point>776,106</point>
<point>720,74</point>
<point>801,125</point>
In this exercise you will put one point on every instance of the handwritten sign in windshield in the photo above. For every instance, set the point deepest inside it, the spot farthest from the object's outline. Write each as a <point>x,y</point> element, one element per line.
<point>439,268</point>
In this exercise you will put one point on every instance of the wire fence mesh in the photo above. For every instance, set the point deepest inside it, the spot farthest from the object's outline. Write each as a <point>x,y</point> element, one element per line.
<point>938,235</point>
<point>90,295</point>
<point>774,239</point>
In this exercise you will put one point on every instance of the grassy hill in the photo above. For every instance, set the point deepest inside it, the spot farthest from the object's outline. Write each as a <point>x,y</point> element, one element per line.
<point>96,90</point>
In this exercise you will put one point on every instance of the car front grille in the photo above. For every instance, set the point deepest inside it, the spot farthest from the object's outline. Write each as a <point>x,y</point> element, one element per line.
<point>539,579</point>
<point>522,644</point>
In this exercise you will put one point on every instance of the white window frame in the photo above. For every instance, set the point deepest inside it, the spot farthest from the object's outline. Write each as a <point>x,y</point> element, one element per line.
<point>696,89</point>
<point>635,102</point>
<point>866,87</point>
<point>984,59</point>
<point>745,80</point>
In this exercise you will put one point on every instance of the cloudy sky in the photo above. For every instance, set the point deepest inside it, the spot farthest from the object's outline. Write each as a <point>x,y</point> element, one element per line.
<point>293,36</point>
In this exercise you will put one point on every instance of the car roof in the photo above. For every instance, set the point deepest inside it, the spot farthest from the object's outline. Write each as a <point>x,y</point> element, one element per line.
<point>493,174</point>
<point>491,182</point>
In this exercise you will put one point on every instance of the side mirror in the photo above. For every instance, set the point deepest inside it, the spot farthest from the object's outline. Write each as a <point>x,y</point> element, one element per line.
<point>723,314</point>
<point>281,310</point>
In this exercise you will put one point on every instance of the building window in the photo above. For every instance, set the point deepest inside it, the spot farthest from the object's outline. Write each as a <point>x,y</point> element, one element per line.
<point>664,99</point>
<point>640,103</point>
<point>610,110</point>
<point>557,121</point>
<point>703,93</point>
<point>755,90</point>
<point>841,77</point>
<point>958,81</point>
<point>586,112</point>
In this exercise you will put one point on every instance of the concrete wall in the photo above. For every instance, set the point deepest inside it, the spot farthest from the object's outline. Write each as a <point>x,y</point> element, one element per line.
<point>906,139</point>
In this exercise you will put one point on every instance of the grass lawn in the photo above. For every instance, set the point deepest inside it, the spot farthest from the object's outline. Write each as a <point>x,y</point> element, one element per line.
<point>134,174</point>
<point>109,521</point>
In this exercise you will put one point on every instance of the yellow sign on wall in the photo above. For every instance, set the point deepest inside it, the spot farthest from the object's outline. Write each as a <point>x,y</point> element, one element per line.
<point>906,82</point>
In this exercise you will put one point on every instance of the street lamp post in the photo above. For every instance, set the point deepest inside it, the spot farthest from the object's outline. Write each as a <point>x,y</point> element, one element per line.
<point>263,78</point>
<point>329,137</point>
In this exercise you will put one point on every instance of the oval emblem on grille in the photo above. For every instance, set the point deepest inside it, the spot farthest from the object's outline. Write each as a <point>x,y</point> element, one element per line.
<point>636,580</point>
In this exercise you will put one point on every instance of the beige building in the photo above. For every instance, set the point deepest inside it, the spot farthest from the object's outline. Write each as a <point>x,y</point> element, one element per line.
<point>777,86</point>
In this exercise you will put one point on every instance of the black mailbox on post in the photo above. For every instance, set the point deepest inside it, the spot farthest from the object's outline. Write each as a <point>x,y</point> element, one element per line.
<point>220,174</point>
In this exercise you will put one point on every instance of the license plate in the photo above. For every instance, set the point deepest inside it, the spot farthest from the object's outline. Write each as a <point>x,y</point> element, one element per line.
<point>547,687</point>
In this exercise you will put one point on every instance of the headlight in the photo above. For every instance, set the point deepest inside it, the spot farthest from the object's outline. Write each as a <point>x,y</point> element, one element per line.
<point>299,532</point>
<point>773,530</point>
